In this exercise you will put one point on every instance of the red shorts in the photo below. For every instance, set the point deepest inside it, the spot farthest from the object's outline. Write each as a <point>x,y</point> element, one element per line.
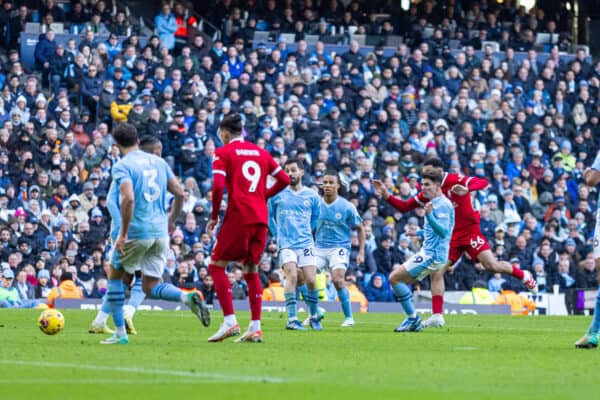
<point>243,243</point>
<point>473,243</point>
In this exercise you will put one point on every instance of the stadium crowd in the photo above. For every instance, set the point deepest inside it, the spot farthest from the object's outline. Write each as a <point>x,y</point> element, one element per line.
<point>530,127</point>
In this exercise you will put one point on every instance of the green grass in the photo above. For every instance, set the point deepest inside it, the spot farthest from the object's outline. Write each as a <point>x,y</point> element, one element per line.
<point>474,357</point>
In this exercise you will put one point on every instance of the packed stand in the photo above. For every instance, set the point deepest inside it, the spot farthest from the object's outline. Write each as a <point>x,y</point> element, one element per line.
<point>529,127</point>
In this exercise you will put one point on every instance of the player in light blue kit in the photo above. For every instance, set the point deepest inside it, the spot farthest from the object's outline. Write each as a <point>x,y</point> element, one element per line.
<point>149,144</point>
<point>439,223</point>
<point>142,181</point>
<point>591,176</point>
<point>293,215</point>
<point>337,219</point>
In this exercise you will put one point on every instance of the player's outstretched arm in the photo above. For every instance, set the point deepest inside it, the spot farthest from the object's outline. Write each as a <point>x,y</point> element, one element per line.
<point>404,205</point>
<point>176,190</point>
<point>474,183</point>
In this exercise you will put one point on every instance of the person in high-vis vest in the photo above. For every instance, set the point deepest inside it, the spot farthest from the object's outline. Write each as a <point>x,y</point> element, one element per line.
<point>67,289</point>
<point>479,294</point>
<point>273,292</point>
<point>519,304</point>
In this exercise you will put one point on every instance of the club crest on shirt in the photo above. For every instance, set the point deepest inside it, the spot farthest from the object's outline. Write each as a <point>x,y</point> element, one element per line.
<point>338,216</point>
<point>306,203</point>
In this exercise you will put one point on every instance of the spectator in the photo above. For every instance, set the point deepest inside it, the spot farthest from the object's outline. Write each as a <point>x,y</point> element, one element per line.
<point>274,291</point>
<point>379,289</point>
<point>67,289</point>
<point>166,26</point>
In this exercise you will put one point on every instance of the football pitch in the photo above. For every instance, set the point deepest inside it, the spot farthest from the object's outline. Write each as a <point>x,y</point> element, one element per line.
<point>473,357</point>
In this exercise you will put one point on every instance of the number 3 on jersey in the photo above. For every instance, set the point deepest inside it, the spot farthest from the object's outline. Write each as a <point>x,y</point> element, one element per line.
<point>153,192</point>
<point>251,171</point>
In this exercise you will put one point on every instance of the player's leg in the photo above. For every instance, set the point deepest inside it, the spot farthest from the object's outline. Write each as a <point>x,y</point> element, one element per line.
<point>312,296</point>
<point>231,244</point>
<point>115,296</point>
<point>99,324</point>
<point>152,265</point>
<point>489,261</point>
<point>338,277</point>
<point>288,260</point>
<point>257,241</point>
<point>136,297</point>
<point>590,339</point>
<point>436,320</point>
<point>416,268</point>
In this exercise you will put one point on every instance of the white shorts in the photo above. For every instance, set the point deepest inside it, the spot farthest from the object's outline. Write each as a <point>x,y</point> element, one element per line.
<point>596,244</point>
<point>335,258</point>
<point>147,255</point>
<point>302,258</point>
<point>421,265</point>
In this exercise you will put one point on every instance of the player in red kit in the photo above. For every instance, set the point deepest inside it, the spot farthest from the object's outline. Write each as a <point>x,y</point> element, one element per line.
<point>242,168</point>
<point>466,236</point>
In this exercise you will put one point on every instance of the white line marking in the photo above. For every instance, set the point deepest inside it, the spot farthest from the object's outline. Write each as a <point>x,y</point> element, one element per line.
<point>96,381</point>
<point>136,370</point>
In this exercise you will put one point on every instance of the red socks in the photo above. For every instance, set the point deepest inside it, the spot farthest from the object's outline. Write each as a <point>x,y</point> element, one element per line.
<point>437,304</point>
<point>517,273</point>
<point>254,295</point>
<point>222,288</point>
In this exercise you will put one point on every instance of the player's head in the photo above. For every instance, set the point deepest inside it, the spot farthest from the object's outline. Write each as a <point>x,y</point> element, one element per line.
<point>151,144</point>
<point>295,170</point>
<point>230,127</point>
<point>433,163</point>
<point>431,181</point>
<point>125,135</point>
<point>331,184</point>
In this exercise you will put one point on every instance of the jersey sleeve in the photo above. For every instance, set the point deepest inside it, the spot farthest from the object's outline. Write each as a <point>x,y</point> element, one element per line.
<point>170,174</point>
<point>407,205</point>
<point>219,163</point>
<point>273,167</point>
<point>120,174</point>
<point>473,183</point>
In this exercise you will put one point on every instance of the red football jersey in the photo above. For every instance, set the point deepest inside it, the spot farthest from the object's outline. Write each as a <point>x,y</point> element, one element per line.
<point>465,216</point>
<point>246,168</point>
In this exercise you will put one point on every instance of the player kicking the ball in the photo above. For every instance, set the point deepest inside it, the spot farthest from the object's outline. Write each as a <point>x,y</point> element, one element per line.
<point>293,215</point>
<point>466,236</point>
<point>336,220</point>
<point>439,222</point>
<point>242,168</point>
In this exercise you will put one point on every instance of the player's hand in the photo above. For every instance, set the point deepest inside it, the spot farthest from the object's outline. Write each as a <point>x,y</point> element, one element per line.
<point>120,244</point>
<point>460,190</point>
<point>380,189</point>
<point>360,257</point>
<point>210,227</point>
<point>428,208</point>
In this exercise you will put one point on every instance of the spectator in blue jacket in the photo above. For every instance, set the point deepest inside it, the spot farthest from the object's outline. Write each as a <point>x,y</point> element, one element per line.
<point>379,289</point>
<point>166,25</point>
<point>44,50</point>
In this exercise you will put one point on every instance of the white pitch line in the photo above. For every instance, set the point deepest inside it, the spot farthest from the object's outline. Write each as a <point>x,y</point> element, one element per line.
<point>136,370</point>
<point>95,381</point>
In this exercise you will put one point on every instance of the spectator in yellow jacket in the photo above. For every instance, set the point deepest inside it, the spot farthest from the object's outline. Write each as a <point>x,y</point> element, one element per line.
<point>66,290</point>
<point>273,292</point>
<point>519,304</point>
<point>479,294</point>
<point>121,106</point>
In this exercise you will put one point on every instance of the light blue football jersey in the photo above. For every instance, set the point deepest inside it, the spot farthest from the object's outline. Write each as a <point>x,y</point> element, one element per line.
<point>434,245</point>
<point>149,175</point>
<point>596,166</point>
<point>114,209</point>
<point>293,216</point>
<point>336,220</point>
